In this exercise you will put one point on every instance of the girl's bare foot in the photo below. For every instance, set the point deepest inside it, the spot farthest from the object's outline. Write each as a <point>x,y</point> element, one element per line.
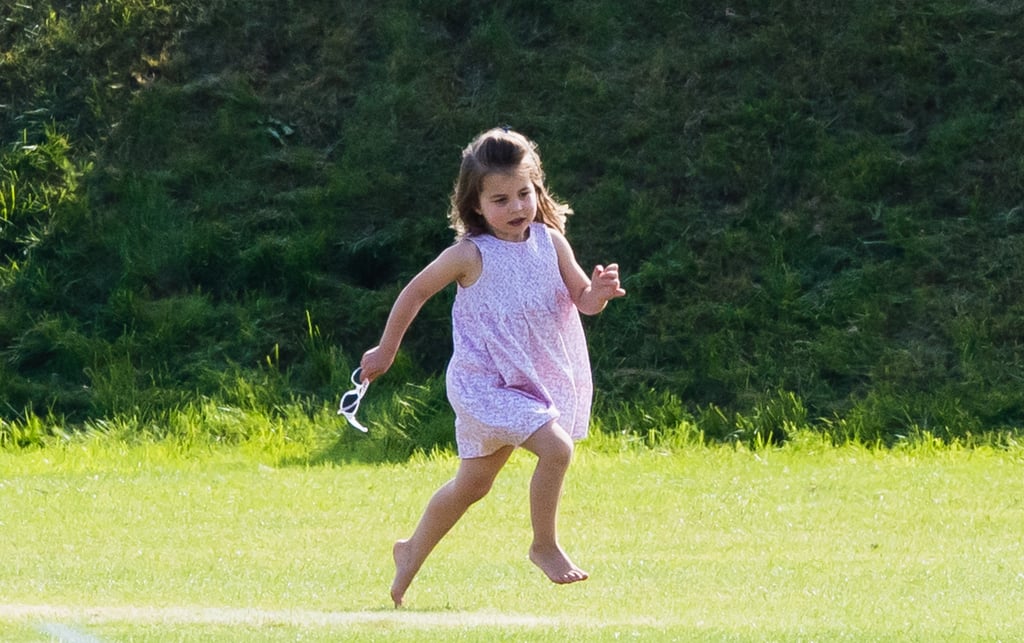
<point>403,573</point>
<point>557,566</point>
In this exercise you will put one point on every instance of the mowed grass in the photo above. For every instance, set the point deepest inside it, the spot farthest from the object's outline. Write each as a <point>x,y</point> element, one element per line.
<point>805,542</point>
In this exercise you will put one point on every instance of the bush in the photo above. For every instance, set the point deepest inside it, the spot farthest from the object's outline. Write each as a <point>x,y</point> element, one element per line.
<point>819,200</point>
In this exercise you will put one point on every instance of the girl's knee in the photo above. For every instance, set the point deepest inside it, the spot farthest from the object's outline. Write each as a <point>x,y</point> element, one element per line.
<point>476,476</point>
<point>474,489</point>
<point>562,453</point>
<point>552,445</point>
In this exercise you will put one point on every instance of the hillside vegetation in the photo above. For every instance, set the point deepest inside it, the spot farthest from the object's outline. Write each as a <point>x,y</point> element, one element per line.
<point>819,210</point>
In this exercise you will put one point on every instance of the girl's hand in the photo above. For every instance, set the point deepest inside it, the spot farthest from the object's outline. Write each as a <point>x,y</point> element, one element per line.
<point>604,283</point>
<point>376,362</point>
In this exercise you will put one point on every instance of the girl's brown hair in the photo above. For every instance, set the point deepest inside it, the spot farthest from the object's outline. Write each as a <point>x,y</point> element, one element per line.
<point>499,150</point>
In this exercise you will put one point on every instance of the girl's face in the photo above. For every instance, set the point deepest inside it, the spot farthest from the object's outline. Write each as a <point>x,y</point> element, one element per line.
<point>508,203</point>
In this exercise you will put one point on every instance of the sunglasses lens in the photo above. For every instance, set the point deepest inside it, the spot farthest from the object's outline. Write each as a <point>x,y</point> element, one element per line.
<point>349,401</point>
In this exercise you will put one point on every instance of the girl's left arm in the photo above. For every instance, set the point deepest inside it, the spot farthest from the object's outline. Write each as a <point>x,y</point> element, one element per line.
<point>590,295</point>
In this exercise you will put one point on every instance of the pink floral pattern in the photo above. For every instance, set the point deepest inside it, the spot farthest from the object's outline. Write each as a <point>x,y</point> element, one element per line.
<point>520,357</point>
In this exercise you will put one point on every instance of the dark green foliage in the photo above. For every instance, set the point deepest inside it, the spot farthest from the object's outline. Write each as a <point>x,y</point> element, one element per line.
<point>818,209</point>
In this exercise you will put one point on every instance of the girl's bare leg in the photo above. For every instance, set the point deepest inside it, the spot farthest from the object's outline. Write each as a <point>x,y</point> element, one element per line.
<point>471,483</point>
<point>553,448</point>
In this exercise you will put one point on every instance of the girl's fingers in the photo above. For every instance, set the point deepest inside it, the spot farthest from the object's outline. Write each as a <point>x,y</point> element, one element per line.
<point>607,278</point>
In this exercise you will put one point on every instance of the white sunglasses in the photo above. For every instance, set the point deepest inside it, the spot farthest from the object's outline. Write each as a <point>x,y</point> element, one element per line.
<point>350,400</point>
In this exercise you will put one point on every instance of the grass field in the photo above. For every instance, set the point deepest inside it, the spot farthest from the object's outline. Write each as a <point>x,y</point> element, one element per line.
<point>108,542</point>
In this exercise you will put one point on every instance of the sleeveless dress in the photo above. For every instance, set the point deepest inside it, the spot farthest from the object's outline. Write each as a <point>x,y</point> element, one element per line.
<point>520,356</point>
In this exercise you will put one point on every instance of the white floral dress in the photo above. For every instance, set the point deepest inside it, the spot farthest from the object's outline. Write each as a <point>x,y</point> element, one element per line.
<point>520,355</point>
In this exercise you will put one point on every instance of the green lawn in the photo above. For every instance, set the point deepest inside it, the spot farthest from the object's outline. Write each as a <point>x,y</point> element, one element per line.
<point>808,542</point>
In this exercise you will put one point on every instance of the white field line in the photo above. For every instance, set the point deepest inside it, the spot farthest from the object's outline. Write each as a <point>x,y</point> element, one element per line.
<point>183,615</point>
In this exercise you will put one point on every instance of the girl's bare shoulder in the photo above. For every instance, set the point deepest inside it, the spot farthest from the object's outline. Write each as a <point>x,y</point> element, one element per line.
<point>465,261</point>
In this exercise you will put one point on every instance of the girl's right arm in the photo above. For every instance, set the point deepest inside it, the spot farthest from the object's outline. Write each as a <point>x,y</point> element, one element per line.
<point>460,262</point>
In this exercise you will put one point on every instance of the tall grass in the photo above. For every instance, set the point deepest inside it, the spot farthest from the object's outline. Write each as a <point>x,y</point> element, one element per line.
<point>817,209</point>
<point>410,419</point>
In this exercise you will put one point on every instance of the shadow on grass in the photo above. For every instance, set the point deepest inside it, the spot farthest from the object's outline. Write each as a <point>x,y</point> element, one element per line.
<point>384,443</point>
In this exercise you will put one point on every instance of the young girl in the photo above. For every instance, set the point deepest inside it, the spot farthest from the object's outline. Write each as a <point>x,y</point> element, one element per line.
<point>520,374</point>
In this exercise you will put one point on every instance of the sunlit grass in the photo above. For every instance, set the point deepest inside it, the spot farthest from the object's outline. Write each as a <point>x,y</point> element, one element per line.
<point>808,542</point>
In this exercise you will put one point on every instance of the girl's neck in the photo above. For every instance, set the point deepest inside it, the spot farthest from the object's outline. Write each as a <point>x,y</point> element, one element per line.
<point>525,235</point>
